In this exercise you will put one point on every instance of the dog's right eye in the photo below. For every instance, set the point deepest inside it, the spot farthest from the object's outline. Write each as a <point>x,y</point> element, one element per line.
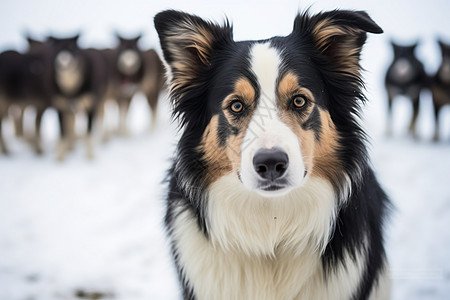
<point>236,106</point>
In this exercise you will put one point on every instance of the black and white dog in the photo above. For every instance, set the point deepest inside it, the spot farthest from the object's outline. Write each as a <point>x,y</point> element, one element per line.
<point>440,86</point>
<point>271,193</point>
<point>405,76</point>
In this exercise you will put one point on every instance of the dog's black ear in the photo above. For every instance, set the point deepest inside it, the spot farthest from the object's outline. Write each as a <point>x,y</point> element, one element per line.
<point>393,44</point>
<point>339,34</point>
<point>188,43</point>
<point>31,41</point>
<point>76,37</point>
<point>118,36</point>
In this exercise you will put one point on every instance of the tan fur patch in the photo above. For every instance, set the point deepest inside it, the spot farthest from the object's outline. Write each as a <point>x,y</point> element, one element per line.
<point>289,87</point>
<point>185,65</point>
<point>345,51</point>
<point>214,155</point>
<point>326,163</point>
<point>305,137</point>
<point>244,91</point>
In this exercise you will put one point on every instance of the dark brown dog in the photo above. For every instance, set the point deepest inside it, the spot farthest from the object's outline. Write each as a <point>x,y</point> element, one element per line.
<point>80,82</point>
<point>131,71</point>
<point>440,87</point>
<point>25,80</point>
<point>406,76</point>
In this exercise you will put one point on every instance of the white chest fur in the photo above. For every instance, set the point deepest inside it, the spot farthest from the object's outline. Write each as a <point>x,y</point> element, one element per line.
<point>262,248</point>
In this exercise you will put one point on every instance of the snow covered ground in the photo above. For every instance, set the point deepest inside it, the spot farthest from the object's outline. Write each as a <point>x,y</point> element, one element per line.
<point>93,228</point>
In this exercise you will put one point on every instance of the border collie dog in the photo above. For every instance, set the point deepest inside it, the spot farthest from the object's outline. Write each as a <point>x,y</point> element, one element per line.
<point>271,194</point>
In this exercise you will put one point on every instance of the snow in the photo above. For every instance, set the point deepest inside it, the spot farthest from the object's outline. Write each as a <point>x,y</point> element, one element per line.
<point>96,226</point>
<point>88,225</point>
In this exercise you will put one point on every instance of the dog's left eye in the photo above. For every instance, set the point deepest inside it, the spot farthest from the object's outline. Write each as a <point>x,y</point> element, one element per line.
<point>299,101</point>
<point>237,106</point>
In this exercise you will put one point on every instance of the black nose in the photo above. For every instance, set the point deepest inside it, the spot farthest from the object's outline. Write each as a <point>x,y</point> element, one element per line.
<point>270,164</point>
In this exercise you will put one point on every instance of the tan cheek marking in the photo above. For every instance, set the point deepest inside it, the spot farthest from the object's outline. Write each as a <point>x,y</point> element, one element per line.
<point>326,163</point>
<point>320,158</point>
<point>234,152</point>
<point>215,156</point>
<point>226,159</point>
<point>306,138</point>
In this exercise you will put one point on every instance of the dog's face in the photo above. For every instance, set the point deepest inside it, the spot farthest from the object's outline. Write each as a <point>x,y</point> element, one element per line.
<point>129,59</point>
<point>67,53</point>
<point>69,63</point>
<point>272,113</point>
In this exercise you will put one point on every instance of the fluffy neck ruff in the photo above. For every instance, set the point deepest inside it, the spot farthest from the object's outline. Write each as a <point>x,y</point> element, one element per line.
<point>244,221</point>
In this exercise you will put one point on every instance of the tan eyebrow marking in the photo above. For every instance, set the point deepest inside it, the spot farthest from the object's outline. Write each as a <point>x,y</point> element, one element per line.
<point>243,89</point>
<point>289,86</point>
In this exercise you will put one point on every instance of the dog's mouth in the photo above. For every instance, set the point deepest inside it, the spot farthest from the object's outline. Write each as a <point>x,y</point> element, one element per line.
<point>272,187</point>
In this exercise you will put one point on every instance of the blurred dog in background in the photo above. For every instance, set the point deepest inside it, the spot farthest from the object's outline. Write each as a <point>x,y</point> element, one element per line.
<point>25,80</point>
<point>405,76</point>
<point>440,86</point>
<point>133,70</point>
<point>57,73</point>
<point>80,80</point>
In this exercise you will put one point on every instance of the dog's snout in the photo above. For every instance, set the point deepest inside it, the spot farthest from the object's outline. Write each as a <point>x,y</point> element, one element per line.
<point>270,164</point>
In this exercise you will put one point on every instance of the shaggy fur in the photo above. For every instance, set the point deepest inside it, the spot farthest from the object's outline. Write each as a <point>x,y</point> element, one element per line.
<point>311,228</point>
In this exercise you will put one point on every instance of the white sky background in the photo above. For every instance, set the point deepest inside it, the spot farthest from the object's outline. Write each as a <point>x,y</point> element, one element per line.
<point>252,19</point>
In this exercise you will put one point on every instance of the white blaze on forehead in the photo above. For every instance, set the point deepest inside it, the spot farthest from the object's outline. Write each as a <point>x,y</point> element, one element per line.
<point>265,63</point>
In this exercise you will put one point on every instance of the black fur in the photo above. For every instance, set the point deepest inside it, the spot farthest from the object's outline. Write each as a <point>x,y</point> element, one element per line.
<point>440,86</point>
<point>336,89</point>
<point>25,80</point>
<point>314,123</point>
